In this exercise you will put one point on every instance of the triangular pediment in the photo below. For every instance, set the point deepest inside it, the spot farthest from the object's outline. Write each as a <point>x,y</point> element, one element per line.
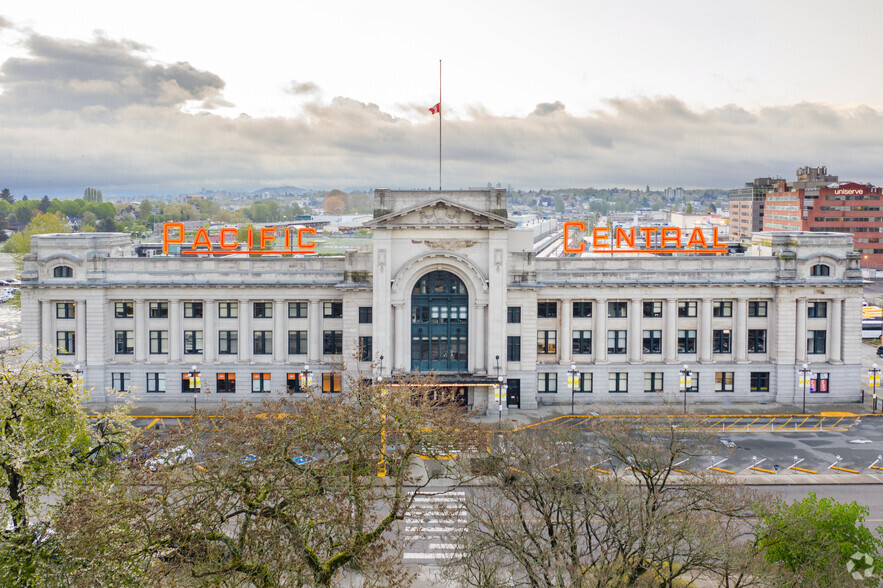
<point>440,213</point>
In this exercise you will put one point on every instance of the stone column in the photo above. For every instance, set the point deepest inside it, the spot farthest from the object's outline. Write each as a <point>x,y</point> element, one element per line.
<point>314,336</point>
<point>635,336</point>
<point>80,310</point>
<point>836,330</point>
<point>246,339</point>
<point>566,337</point>
<point>47,338</point>
<point>800,331</point>
<point>399,336</point>
<point>176,334</point>
<point>599,336</point>
<point>670,331</point>
<point>209,331</point>
<point>280,338</point>
<point>740,330</point>
<point>480,362</point>
<point>142,336</point>
<point>705,331</point>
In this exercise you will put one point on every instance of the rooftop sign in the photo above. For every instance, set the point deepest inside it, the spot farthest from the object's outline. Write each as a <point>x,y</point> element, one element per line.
<point>641,240</point>
<point>227,241</point>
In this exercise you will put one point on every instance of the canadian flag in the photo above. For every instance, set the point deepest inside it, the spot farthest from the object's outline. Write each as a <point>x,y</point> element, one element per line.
<point>436,109</point>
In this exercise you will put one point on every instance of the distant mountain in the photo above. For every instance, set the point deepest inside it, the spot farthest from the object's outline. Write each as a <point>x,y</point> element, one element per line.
<point>281,191</point>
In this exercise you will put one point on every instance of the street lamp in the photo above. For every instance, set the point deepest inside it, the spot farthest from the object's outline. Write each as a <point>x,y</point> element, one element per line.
<point>381,365</point>
<point>571,377</point>
<point>194,384</point>
<point>502,397</point>
<point>805,371</point>
<point>685,377</point>
<point>874,377</point>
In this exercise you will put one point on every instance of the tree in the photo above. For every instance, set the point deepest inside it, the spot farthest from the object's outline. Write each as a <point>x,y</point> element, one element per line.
<point>607,507</point>
<point>49,449</point>
<point>6,195</point>
<point>92,195</point>
<point>333,205</point>
<point>20,242</point>
<point>286,494</point>
<point>44,204</point>
<point>813,540</point>
<point>689,208</point>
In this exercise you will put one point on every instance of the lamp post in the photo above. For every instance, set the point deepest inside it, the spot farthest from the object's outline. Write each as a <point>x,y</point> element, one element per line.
<point>502,398</point>
<point>805,372</point>
<point>79,370</point>
<point>194,383</point>
<point>381,365</point>
<point>685,381</point>
<point>874,377</point>
<point>571,377</point>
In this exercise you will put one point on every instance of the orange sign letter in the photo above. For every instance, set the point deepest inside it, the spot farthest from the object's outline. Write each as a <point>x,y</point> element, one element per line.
<point>579,226</point>
<point>167,239</point>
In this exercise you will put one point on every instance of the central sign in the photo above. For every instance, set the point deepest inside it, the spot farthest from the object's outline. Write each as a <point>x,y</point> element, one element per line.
<point>671,240</point>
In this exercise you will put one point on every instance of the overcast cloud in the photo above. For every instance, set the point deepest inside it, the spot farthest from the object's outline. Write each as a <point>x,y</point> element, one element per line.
<point>101,113</point>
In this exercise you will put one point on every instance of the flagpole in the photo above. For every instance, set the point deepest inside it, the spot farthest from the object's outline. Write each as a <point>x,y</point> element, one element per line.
<point>439,124</point>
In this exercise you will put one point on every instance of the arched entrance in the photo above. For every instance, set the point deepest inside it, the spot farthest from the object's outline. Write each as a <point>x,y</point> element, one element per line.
<point>439,323</point>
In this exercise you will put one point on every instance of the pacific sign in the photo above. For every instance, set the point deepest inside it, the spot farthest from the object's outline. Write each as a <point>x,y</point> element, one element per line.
<point>640,240</point>
<point>228,241</point>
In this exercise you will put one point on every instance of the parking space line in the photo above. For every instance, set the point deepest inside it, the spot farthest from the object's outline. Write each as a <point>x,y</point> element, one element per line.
<point>766,471</point>
<point>803,470</point>
<point>717,469</point>
<point>843,469</point>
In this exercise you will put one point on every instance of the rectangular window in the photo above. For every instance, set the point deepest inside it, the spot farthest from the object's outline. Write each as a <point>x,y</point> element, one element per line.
<point>818,383</point>
<point>262,309</point>
<point>722,308</point>
<point>756,340</point>
<point>191,382</point>
<point>617,309</point>
<point>159,342</point>
<point>513,348</point>
<point>652,308</point>
<point>228,309</point>
<point>260,383</point>
<point>652,342</point>
<point>547,383</point>
<point>582,342</point>
<point>158,310</point>
<point>124,309</point>
<point>156,383</point>
<point>64,310</point>
<point>332,309</point>
<point>366,315</point>
<point>366,348</point>
<point>192,342</point>
<point>687,341</point>
<point>121,381</point>
<point>297,342</point>
<point>332,342</point>
<point>582,309</point>
<point>618,382</point>
<point>653,382</point>
<point>585,383</point>
<point>616,342</point>
<point>723,381</point>
<point>547,309</point>
<point>816,342</point>
<point>513,315</point>
<point>721,341</point>
<point>760,381</point>
<point>817,309</point>
<point>193,310</point>
<point>297,310</point>
<point>292,383</point>
<point>547,342</point>
<point>757,308</point>
<point>124,342</point>
<point>686,308</point>
<point>226,383</point>
<point>330,382</point>
<point>692,380</point>
<point>263,342</point>
<point>228,342</point>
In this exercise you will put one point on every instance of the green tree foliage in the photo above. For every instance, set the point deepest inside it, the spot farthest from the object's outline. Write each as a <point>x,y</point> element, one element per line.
<point>20,242</point>
<point>92,195</point>
<point>814,539</point>
<point>23,214</point>
<point>689,208</point>
<point>48,449</point>
<point>44,204</point>
<point>6,195</point>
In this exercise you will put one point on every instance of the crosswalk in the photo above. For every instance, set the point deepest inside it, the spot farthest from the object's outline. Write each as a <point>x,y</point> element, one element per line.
<point>431,523</point>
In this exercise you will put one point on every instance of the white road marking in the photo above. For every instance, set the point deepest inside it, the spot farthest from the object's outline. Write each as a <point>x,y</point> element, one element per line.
<point>424,555</point>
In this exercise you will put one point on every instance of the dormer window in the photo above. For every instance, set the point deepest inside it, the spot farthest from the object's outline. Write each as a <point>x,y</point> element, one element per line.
<point>63,271</point>
<point>821,270</point>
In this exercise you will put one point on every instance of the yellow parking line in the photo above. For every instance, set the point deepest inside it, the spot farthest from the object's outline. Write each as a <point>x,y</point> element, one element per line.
<point>717,469</point>
<point>153,422</point>
<point>761,470</point>
<point>600,470</point>
<point>803,470</point>
<point>843,469</point>
<point>682,471</point>
<point>876,468</point>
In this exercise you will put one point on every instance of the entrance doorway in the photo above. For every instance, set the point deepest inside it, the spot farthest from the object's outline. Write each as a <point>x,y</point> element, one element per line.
<point>439,323</point>
<point>513,393</point>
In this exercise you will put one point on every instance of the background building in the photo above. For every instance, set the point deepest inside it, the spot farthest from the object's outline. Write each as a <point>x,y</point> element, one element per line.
<point>746,207</point>
<point>450,285</point>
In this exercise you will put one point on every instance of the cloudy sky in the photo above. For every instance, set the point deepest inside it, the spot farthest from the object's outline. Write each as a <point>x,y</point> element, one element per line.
<point>175,96</point>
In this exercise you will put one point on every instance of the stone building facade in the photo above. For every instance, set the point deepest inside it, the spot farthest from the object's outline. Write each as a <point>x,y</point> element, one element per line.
<point>450,285</point>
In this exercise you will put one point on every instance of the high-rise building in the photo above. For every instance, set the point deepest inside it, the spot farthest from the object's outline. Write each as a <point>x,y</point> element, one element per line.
<point>746,207</point>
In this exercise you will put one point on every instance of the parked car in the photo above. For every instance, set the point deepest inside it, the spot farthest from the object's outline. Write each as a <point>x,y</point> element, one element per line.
<point>880,351</point>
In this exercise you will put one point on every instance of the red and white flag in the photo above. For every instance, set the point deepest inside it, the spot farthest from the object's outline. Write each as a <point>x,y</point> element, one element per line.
<point>436,109</point>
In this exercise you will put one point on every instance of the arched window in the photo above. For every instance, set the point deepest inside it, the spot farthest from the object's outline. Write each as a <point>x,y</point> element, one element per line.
<point>63,271</point>
<point>439,323</point>
<point>821,270</point>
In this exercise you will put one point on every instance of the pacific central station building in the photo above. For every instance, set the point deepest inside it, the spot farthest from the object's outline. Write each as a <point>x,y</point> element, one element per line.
<point>450,285</point>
